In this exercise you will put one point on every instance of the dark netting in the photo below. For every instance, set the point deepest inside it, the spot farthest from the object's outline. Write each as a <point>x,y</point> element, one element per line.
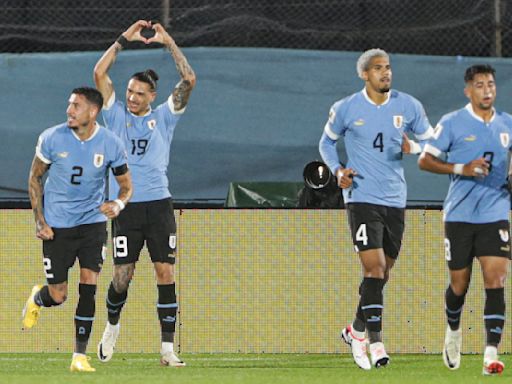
<point>434,27</point>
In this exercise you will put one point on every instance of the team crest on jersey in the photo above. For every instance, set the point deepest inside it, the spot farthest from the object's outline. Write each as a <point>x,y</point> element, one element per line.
<point>152,124</point>
<point>504,139</point>
<point>398,121</point>
<point>98,160</point>
<point>504,235</point>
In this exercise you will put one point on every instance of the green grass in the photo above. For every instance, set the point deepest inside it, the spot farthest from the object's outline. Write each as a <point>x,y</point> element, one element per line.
<point>243,369</point>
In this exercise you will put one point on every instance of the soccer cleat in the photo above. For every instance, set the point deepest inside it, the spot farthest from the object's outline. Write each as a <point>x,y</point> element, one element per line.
<point>171,360</point>
<point>452,347</point>
<point>378,355</point>
<point>492,364</point>
<point>31,310</point>
<point>80,363</point>
<point>358,346</point>
<point>493,367</point>
<point>108,342</point>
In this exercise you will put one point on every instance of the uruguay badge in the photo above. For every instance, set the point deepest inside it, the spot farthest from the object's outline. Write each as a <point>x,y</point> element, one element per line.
<point>504,139</point>
<point>398,121</point>
<point>98,160</point>
<point>152,124</point>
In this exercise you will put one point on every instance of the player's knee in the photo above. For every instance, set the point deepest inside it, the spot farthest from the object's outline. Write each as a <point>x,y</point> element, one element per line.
<point>121,285</point>
<point>460,288</point>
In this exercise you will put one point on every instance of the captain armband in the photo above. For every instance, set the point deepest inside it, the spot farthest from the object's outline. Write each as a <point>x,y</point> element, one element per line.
<point>121,170</point>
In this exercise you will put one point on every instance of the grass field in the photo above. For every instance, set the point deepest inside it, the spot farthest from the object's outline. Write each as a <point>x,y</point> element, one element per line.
<point>243,369</point>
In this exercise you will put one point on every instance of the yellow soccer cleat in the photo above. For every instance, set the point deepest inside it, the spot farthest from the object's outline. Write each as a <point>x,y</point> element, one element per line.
<point>31,310</point>
<point>80,363</point>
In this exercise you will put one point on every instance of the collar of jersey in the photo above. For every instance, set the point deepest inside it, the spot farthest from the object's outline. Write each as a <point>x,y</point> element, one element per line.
<point>365,94</point>
<point>144,115</point>
<point>96,130</point>
<point>469,108</point>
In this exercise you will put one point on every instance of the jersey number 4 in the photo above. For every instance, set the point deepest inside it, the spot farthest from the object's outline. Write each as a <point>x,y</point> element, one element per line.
<point>379,142</point>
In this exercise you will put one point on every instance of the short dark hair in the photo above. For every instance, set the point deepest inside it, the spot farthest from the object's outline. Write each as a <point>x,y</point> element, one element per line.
<point>477,69</point>
<point>92,95</point>
<point>148,76</point>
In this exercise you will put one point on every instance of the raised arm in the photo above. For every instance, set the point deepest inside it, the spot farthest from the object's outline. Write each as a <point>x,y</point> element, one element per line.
<point>101,78</point>
<point>35,191</point>
<point>184,87</point>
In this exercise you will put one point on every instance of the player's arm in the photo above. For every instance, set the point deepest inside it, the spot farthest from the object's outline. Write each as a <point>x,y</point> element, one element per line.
<point>35,191</point>
<point>429,161</point>
<point>101,78</point>
<point>183,89</point>
<point>111,209</point>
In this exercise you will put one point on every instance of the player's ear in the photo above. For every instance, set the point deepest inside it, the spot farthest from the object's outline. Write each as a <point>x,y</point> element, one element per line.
<point>467,91</point>
<point>364,75</point>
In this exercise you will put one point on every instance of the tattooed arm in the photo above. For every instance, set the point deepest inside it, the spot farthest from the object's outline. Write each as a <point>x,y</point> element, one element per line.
<point>101,78</point>
<point>184,88</point>
<point>35,191</point>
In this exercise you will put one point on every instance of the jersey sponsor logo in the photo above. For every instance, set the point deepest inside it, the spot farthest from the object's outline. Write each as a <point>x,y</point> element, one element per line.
<point>63,154</point>
<point>152,124</point>
<point>98,160</point>
<point>398,121</point>
<point>504,235</point>
<point>505,139</point>
<point>470,138</point>
<point>332,116</point>
<point>359,122</point>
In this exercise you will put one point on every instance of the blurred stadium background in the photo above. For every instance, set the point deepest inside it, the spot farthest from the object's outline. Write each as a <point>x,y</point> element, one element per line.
<point>249,280</point>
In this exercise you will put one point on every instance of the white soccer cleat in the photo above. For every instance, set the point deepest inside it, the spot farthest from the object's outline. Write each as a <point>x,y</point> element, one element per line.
<point>492,364</point>
<point>378,355</point>
<point>108,342</point>
<point>452,347</point>
<point>358,346</point>
<point>171,360</point>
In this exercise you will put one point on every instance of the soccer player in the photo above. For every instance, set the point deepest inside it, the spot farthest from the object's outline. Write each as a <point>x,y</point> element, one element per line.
<point>476,140</point>
<point>373,123</point>
<point>72,221</point>
<point>147,134</point>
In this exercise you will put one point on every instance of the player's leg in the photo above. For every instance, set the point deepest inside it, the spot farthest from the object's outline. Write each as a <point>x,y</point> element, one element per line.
<point>161,242</point>
<point>90,255</point>
<point>494,238</point>
<point>459,256</point>
<point>367,228</point>
<point>128,240</point>
<point>59,255</point>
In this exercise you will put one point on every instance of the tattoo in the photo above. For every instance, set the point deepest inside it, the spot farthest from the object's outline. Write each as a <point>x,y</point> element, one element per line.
<point>122,276</point>
<point>35,189</point>
<point>181,94</point>
<point>182,65</point>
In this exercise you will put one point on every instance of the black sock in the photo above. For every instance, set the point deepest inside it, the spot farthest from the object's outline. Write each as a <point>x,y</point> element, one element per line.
<point>494,315</point>
<point>358,323</point>
<point>167,309</point>
<point>43,298</point>
<point>372,305</point>
<point>453,308</point>
<point>115,303</point>
<point>84,316</point>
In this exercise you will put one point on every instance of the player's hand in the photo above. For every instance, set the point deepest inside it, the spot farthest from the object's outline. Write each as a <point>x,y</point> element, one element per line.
<point>406,144</point>
<point>345,177</point>
<point>133,32</point>
<point>476,168</point>
<point>161,36</point>
<point>110,209</point>
<point>44,231</point>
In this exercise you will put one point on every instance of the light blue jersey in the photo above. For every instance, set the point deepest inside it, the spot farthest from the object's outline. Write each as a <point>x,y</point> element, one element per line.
<point>148,142</point>
<point>75,187</point>
<point>373,142</point>
<point>465,137</point>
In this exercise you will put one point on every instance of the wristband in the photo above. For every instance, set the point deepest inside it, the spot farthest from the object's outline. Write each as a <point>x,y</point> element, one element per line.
<point>120,203</point>
<point>123,41</point>
<point>458,168</point>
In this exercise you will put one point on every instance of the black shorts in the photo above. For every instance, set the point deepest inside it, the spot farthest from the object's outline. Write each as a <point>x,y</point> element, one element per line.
<point>465,241</point>
<point>150,222</point>
<point>86,242</point>
<point>376,226</point>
